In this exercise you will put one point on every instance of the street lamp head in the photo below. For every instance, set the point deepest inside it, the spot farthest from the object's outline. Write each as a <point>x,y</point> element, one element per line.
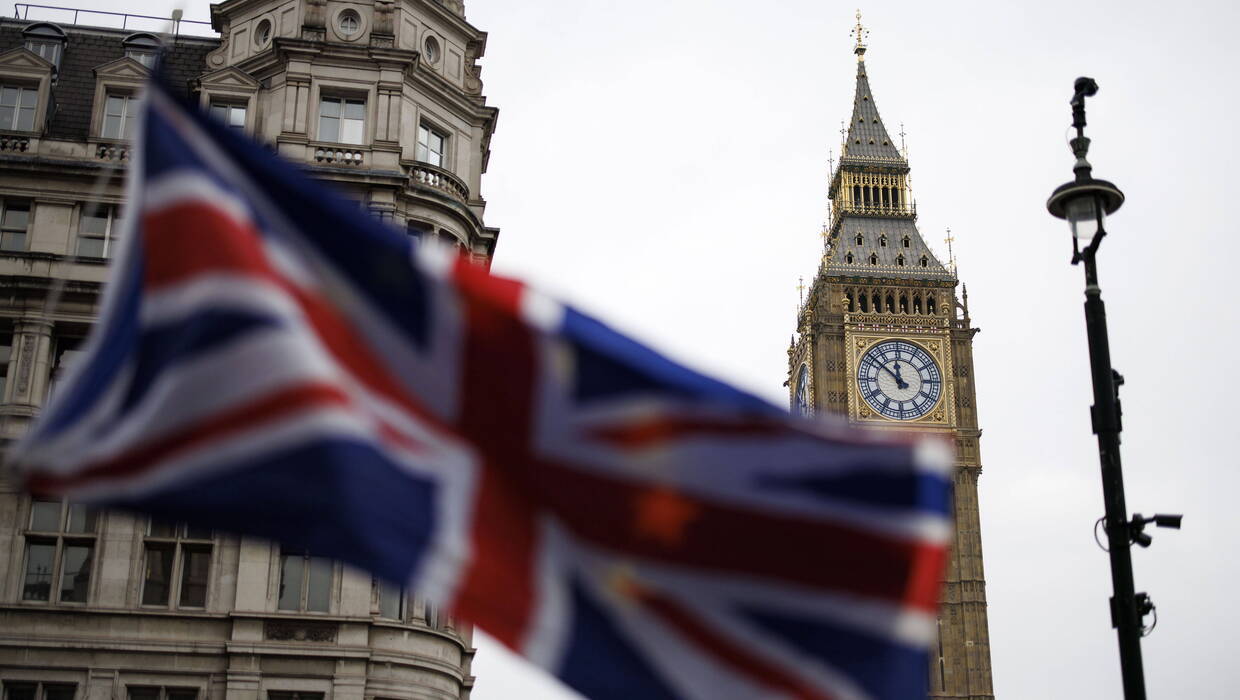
<point>1085,205</point>
<point>1084,202</point>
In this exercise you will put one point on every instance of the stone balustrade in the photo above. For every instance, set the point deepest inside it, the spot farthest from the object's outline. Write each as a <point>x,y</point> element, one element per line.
<point>427,175</point>
<point>339,156</point>
<point>14,144</point>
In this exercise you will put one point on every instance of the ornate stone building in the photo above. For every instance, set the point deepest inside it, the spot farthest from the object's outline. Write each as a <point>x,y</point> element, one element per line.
<point>883,340</point>
<point>381,98</point>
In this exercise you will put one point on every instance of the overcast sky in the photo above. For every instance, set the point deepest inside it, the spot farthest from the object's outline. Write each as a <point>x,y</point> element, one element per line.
<point>663,164</point>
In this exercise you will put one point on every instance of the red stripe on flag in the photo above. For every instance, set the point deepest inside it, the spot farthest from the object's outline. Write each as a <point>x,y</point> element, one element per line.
<point>608,512</point>
<point>497,590</point>
<point>303,398</point>
<point>655,431</point>
<point>731,653</point>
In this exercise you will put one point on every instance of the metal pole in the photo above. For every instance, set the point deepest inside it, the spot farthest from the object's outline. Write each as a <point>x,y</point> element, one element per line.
<point>1125,612</point>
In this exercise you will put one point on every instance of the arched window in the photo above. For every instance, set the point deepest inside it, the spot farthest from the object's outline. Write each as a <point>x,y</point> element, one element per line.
<point>900,260</point>
<point>849,297</point>
<point>903,304</point>
<point>865,304</point>
<point>895,197</point>
<point>916,303</point>
<point>142,48</point>
<point>930,305</point>
<point>878,303</point>
<point>891,304</point>
<point>873,259</point>
<point>857,193</point>
<point>46,40</point>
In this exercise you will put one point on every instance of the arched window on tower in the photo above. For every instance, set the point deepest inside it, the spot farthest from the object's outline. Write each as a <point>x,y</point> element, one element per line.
<point>857,193</point>
<point>849,297</point>
<point>930,305</point>
<point>903,304</point>
<point>917,303</point>
<point>891,304</point>
<point>878,303</point>
<point>895,197</point>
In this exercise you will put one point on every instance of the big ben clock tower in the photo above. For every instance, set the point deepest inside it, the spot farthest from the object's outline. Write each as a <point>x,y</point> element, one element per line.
<point>883,341</point>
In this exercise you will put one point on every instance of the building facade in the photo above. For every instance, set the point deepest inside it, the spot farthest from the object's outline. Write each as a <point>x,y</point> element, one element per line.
<point>883,339</point>
<point>383,99</point>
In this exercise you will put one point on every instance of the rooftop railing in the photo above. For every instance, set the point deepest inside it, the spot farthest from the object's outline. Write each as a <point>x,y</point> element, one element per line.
<point>112,20</point>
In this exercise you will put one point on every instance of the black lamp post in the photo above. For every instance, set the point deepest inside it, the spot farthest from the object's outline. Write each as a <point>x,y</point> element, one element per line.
<point>1085,203</point>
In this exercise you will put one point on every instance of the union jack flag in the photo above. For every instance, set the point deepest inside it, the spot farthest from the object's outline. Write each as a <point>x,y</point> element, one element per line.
<point>269,362</point>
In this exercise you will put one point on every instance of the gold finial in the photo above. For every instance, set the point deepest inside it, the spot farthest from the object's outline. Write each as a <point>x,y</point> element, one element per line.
<point>951,257</point>
<point>801,289</point>
<point>859,32</point>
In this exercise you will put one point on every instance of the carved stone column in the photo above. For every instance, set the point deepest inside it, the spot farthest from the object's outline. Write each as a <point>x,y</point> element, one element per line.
<point>31,362</point>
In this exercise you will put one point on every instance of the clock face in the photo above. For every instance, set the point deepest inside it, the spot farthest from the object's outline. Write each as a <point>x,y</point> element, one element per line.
<point>800,403</point>
<point>899,380</point>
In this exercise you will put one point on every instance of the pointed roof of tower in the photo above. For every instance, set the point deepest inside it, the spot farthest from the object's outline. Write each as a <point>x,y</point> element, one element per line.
<point>867,137</point>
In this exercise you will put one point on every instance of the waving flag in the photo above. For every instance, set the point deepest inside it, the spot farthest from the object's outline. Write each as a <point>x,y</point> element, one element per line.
<point>270,362</point>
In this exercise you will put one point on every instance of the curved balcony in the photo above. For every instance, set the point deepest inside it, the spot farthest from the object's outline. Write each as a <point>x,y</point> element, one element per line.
<point>427,175</point>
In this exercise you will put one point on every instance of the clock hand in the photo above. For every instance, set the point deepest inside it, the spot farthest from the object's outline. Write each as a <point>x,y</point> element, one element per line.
<point>900,383</point>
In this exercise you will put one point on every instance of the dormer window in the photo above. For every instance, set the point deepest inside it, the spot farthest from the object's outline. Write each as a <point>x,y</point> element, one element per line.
<point>925,262</point>
<point>873,259</point>
<point>142,48</point>
<point>860,239</point>
<point>907,242</point>
<point>900,260</point>
<point>46,40</point>
<point>848,258</point>
<point>882,241</point>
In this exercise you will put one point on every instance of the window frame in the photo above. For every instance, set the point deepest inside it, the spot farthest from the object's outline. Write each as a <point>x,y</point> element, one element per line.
<point>342,99</point>
<point>60,540</point>
<point>40,687</point>
<point>5,229</point>
<point>308,561</point>
<point>422,150</point>
<point>161,691</point>
<point>23,88</point>
<point>127,119</point>
<point>387,591</point>
<point>181,540</point>
<point>229,106</point>
<point>114,221</point>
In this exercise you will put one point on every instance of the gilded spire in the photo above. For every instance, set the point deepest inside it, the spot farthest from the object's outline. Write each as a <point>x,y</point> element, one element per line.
<point>859,32</point>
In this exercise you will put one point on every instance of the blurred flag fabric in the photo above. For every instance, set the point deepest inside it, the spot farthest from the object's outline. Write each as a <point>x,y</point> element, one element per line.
<point>270,361</point>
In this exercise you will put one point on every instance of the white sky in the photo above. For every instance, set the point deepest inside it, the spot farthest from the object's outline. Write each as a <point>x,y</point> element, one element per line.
<point>663,164</point>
